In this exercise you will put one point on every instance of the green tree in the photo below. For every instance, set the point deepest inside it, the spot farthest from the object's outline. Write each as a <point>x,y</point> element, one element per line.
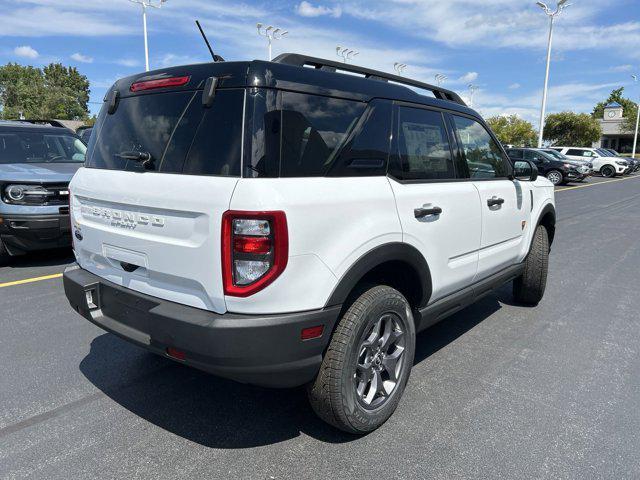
<point>21,91</point>
<point>513,130</point>
<point>54,92</point>
<point>569,128</point>
<point>629,113</point>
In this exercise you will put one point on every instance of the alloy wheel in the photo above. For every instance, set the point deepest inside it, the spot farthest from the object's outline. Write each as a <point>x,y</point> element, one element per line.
<point>555,178</point>
<point>380,361</point>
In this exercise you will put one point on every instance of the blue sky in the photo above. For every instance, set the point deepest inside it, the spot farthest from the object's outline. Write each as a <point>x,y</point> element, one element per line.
<point>499,45</point>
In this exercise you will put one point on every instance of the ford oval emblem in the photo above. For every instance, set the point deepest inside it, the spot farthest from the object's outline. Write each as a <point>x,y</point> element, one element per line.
<point>78,235</point>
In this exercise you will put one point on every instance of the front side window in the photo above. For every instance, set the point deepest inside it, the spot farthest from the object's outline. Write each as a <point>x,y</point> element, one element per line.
<point>38,147</point>
<point>483,155</point>
<point>424,151</point>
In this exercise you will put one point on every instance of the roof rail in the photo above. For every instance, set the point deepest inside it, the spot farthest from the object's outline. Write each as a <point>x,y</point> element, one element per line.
<point>331,66</point>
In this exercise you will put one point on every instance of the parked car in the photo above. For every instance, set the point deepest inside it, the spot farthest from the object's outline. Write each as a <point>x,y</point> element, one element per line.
<point>558,172</point>
<point>258,220</point>
<point>606,166</point>
<point>36,165</point>
<point>563,158</point>
<point>634,165</point>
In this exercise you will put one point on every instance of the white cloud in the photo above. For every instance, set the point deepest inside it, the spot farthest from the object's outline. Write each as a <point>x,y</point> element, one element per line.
<point>26,51</point>
<point>78,57</point>
<point>30,18</point>
<point>172,60</point>
<point>502,24</point>
<point>469,77</point>
<point>306,9</point>
<point>128,62</point>
<point>514,86</point>
<point>621,68</point>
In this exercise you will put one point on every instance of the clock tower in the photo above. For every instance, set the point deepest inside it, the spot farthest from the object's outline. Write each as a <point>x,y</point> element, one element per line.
<point>613,112</point>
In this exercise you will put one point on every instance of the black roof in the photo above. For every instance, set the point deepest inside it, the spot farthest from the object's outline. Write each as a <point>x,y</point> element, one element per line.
<point>317,76</point>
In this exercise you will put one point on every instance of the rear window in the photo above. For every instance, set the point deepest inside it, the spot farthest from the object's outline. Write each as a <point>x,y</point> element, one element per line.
<point>174,131</point>
<point>39,147</point>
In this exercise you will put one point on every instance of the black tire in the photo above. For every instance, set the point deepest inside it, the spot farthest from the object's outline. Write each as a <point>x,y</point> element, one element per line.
<point>608,171</point>
<point>529,287</point>
<point>336,394</point>
<point>555,177</point>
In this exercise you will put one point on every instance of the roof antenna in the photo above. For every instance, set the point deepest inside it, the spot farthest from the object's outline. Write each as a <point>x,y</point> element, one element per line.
<point>216,58</point>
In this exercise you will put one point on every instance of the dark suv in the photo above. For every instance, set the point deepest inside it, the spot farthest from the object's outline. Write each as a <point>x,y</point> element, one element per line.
<point>36,164</point>
<point>558,172</point>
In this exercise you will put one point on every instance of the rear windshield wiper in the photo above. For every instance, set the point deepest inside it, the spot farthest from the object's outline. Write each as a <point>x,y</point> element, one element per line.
<point>144,158</point>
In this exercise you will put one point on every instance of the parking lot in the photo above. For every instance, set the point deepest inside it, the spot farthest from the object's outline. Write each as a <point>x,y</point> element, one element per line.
<point>498,390</point>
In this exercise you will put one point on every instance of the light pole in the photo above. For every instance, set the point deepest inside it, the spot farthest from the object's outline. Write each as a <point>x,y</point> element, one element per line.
<point>440,78</point>
<point>399,68</point>
<point>562,4</point>
<point>146,4</point>
<point>346,54</point>
<point>271,33</point>
<point>472,91</point>
<point>635,136</point>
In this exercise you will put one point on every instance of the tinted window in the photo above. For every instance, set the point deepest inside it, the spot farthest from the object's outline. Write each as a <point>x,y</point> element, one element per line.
<point>555,154</point>
<point>313,131</point>
<point>575,152</point>
<point>366,150</point>
<point>179,134</point>
<point>217,146</point>
<point>38,147</point>
<point>518,154</point>
<point>424,152</point>
<point>483,155</point>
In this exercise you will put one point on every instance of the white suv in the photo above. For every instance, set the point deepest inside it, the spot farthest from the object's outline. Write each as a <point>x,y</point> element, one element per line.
<point>606,166</point>
<point>281,225</point>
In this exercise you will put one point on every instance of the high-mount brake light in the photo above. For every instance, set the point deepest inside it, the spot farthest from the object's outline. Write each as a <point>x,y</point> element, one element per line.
<point>159,83</point>
<point>255,250</point>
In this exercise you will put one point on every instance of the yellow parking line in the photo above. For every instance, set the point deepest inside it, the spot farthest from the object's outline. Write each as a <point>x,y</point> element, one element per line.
<point>599,183</point>
<point>30,280</point>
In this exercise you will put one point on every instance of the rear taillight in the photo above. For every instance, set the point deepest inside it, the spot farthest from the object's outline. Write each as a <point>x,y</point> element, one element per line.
<point>255,250</point>
<point>159,83</point>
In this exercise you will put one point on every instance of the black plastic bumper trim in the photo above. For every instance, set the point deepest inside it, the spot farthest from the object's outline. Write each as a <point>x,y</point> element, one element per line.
<point>264,350</point>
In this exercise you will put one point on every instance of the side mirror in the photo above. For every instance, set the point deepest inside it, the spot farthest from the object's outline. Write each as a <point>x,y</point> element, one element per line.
<point>525,170</point>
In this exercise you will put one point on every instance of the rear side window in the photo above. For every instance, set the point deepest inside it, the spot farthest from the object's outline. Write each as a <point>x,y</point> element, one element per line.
<point>366,150</point>
<point>314,130</point>
<point>175,130</point>
<point>424,151</point>
<point>483,155</point>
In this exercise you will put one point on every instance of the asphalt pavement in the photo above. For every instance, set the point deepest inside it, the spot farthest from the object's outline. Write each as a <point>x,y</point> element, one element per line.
<point>497,391</point>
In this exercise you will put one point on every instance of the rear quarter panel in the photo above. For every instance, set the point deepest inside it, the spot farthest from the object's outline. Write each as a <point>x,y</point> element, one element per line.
<point>331,221</point>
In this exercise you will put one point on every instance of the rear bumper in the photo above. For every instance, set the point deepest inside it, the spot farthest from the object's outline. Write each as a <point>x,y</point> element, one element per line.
<point>262,350</point>
<point>24,233</point>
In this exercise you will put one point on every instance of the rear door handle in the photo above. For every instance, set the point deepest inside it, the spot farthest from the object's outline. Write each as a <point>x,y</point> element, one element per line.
<point>425,212</point>
<point>492,202</point>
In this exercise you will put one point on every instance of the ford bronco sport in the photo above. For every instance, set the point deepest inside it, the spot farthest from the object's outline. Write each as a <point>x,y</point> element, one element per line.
<point>36,164</point>
<point>284,224</point>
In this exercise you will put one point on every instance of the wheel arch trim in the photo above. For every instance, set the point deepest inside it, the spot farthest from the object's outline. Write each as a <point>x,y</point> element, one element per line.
<point>548,211</point>
<point>389,252</point>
